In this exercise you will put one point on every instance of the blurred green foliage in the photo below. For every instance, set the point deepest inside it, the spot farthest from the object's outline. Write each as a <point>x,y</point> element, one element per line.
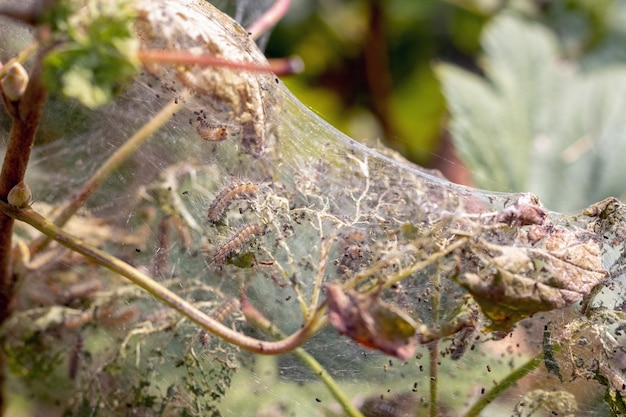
<point>370,71</point>
<point>368,65</point>
<point>544,112</point>
<point>94,50</point>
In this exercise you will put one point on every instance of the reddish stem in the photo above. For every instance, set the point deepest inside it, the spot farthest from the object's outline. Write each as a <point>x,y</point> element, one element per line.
<point>26,117</point>
<point>269,18</point>
<point>168,56</point>
<point>280,66</point>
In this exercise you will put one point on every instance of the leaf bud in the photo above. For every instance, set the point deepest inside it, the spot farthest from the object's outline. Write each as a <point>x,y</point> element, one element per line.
<point>14,82</point>
<point>20,196</point>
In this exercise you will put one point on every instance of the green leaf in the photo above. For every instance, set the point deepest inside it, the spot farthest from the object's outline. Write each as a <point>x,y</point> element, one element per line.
<point>97,56</point>
<point>536,122</point>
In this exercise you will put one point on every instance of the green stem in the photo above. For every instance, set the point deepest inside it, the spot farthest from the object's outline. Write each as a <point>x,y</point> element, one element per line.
<point>433,354</point>
<point>30,216</point>
<point>433,348</point>
<point>257,319</point>
<point>507,382</point>
<point>111,165</point>
<point>404,273</point>
<point>327,380</point>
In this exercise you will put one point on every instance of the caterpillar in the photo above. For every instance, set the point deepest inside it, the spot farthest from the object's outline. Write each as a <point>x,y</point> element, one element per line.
<point>76,352</point>
<point>224,309</point>
<point>240,238</point>
<point>204,337</point>
<point>235,191</point>
<point>213,132</point>
<point>163,246</point>
<point>219,314</point>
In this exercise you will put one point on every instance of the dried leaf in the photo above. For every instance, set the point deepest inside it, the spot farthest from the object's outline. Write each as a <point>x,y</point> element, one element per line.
<point>371,322</point>
<point>556,271</point>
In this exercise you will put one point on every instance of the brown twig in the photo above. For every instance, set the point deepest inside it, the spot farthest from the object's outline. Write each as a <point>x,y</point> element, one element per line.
<point>26,115</point>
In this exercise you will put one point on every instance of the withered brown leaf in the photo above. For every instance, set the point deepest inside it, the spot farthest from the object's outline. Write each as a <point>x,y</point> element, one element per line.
<point>555,268</point>
<point>370,322</point>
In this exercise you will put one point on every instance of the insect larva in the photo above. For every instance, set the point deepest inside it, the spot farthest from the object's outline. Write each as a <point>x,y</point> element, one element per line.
<point>224,309</point>
<point>219,314</point>
<point>163,246</point>
<point>237,241</point>
<point>213,132</point>
<point>158,316</point>
<point>235,191</point>
<point>75,354</point>
<point>204,337</point>
<point>110,317</point>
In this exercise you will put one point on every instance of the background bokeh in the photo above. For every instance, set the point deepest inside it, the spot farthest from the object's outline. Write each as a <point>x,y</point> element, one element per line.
<point>369,64</point>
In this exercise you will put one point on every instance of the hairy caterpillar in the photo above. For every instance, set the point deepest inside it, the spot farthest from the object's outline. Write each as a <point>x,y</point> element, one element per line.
<point>235,191</point>
<point>214,132</point>
<point>224,309</point>
<point>240,238</point>
<point>219,314</point>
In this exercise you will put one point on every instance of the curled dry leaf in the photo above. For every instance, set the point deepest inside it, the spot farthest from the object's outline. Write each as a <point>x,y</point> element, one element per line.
<point>556,269</point>
<point>371,322</point>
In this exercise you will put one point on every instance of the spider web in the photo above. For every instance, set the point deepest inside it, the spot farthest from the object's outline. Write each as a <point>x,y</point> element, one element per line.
<point>416,247</point>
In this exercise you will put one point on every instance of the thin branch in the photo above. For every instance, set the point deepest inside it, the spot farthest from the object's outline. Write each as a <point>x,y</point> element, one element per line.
<point>433,348</point>
<point>26,117</point>
<point>507,382</point>
<point>30,216</point>
<point>433,359</point>
<point>254,317</point>
<point>110,165</point>
<point>270,18</point>
<point>321,266</point>
<point>403,273</point>
<point>175,57</point>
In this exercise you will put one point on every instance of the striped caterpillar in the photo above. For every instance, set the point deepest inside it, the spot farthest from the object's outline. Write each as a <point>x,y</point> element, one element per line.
<point>235,191</point>
<point>224,309</point>
<point>235,243</point>
<point>219,314</point>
